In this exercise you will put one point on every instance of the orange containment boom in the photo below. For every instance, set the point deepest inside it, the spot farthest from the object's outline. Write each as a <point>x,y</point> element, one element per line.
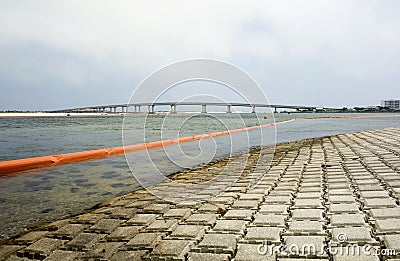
<point>11,167</point>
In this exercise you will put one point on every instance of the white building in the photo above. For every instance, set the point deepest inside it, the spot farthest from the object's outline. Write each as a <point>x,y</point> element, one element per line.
<point>392,104</point>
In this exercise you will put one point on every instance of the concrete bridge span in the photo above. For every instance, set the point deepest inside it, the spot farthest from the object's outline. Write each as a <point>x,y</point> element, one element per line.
<point>151,107</point>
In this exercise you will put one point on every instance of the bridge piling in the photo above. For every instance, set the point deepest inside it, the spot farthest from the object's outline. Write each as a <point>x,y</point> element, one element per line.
<point>173,108</point>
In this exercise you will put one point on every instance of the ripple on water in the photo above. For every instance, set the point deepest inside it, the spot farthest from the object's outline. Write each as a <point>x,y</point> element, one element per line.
<point>120,166</point>
<point>119,185</point>
<point>110,175</point>
<point>47,210</point>
<point>86,185</point>
<point>74,190</point>
<point>80,181</point>
<point>92,163</point>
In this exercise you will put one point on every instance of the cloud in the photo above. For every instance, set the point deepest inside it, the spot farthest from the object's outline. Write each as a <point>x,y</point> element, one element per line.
<point>96,52</point>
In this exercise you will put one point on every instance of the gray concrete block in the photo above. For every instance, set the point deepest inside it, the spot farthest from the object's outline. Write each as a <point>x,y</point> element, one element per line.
<point>142,219</point>
<point>230,226</point>
<point>201,219</point>
<point>170,250</point>
<point>306,227</point>
<point>308,214</point>
<point>218,243</point>
<point>262,234</point>
<point>269,220</point>
<point>250,252</point>
<point>194,232</point>
<point>144,241</point>
<point>124,233</point>
<point>193,256</point>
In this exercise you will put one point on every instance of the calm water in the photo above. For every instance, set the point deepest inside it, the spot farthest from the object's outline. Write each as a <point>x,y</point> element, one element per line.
<point>46,194</point>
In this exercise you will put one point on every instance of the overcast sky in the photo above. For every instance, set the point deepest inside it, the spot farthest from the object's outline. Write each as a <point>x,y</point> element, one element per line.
<point>62,54</point>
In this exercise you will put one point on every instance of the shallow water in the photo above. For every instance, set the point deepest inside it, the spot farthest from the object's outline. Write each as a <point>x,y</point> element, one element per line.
<point>45,194</point>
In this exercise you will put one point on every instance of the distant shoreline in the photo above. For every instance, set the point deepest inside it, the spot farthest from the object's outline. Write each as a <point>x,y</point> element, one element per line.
<point>54,114</point>
<point>95,114</point>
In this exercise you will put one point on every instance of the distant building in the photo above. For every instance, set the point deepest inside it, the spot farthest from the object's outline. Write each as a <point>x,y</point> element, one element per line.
<point>392,104</point>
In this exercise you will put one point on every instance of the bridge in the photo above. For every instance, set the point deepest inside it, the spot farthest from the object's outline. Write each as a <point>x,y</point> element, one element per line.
<point>151,107</point>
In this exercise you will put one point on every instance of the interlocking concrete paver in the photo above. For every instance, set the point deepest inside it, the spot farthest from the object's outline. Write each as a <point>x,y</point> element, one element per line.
<point>142,219</point>
<point>273,209</point>
<point>42,248</point>
<point>58,255</point>
<point>390,225</point>
<point>218,243</point>
<point>344,208</point>
<point>122,213</point>
<point>379,202</point>
<point>278,199</point>
<point>31,237</point>
<point>341,199</point>
<point>392,242</point>
<point>128,255</point>
<point>124,233</point>
<point>308,195</point>
<point>193,256</point>
<point>188,232</point>
<point>308,227</point>
<point>269,220</point>
<point>361,235</point>
<point>382,213</point>
<point>162,225</point>
<point>261,234</point>
<point>308,203</point>
<point>83,241</point>
<point>242,214</point>
<point>68,231</point>
<point>102,250</point>
<point>246,204</point>
<point>222,200</point>
<point>253,252</point>
<point>230,226</point>
<point>156,208</point>
<point>7,250</point>
<point>17,258</point>
<point>144,241</point>
<point>309,214</point>
<point>105,225</point>
<point>170,250</point>
<point>341,220</point>
<point>179,213</point>
<point>201,219</point>
<point>251,196</point>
